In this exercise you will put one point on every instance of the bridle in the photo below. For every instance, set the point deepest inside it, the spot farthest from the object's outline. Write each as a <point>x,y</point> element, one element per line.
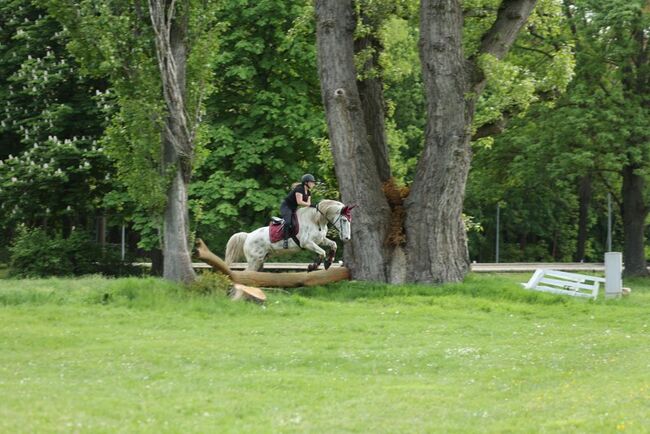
<point>333,223</point>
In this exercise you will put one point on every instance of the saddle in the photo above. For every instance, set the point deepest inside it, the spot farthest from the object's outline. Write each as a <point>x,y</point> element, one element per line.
<point>276,229</point>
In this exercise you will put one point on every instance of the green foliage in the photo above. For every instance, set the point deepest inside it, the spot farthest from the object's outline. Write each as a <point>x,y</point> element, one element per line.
<point>115,40</point>
<point>540,65</point>
<point>593,130</point>
<point>35,253</point>
<point>404,93</point>
<point>210,283</point>
<point>264,120</point>
<point>53,180</point>
<point>51,167</point>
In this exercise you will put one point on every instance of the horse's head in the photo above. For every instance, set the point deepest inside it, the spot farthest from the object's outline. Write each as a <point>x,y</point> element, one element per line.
<point>346,221</point>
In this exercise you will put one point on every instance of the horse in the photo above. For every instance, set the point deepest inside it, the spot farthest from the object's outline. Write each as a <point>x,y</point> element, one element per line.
<point>312,230</point>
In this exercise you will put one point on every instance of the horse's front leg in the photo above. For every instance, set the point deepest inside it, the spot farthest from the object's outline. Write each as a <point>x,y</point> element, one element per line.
<point>310,245</point>
<point>332,254</point>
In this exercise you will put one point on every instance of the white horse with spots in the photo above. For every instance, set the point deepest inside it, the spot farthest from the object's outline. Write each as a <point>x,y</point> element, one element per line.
<point>312,231</point>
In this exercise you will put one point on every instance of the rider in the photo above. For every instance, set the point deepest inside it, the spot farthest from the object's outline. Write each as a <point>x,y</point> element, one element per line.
<point>300,195</point>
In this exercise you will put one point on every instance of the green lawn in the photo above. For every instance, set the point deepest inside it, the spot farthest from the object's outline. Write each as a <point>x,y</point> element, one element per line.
<point>140,355</point>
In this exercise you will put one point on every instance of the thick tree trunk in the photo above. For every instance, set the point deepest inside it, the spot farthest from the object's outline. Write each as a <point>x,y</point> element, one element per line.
<point>435,233</point>
<point>178,146</point>
<point>176,253</point>
<point>634,214</point>
<point>584,199</point>
<point>636,85</point>
<point>157,262</point>
<point>371,94</point>
<point>367,254</point>
<point>436,247</point>
<point>436,243</point>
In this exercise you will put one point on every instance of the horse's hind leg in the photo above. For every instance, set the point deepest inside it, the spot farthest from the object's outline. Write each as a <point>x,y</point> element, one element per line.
<point>255,254</point>
<point>255,264</point>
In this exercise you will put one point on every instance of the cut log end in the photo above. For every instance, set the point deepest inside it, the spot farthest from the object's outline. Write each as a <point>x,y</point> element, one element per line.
<point>250,293</point>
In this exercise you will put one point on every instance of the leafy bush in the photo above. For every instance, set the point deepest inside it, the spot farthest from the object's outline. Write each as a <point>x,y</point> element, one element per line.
<point>208,283</point>
<point>35,253</point>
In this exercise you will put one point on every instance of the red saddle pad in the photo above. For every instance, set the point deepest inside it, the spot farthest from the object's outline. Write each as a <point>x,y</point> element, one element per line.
<point>276,231</point>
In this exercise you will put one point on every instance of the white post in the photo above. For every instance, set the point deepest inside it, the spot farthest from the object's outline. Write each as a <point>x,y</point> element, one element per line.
<point>613,274</point>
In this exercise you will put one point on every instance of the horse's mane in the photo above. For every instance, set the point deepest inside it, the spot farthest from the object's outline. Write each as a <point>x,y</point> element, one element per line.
<point>325,207</point>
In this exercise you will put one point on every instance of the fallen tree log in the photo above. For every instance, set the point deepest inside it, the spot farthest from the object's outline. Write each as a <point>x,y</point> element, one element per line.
<point>271,280</point>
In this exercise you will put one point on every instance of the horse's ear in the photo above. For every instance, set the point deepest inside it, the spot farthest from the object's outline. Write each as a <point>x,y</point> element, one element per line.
<point>346,211</point>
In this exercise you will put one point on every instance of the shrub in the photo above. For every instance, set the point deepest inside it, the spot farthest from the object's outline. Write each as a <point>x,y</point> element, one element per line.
<point>208,283</point>
<point>35,253</point>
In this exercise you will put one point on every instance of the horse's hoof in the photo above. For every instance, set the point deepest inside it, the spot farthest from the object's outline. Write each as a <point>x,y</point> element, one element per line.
<point>311,267</point>
<point>327,264</point>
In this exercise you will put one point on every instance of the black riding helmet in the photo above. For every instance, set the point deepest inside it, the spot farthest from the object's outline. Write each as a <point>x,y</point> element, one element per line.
<point>307,177</point>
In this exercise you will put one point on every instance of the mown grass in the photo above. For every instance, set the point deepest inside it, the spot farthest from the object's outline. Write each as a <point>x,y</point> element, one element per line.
<point>143,355</point>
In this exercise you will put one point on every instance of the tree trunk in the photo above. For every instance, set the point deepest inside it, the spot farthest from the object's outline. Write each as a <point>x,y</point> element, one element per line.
<point>435,232</point>
<point>367,254</point>
<point>636,83</point>
<point>436,247</point>
<point>634,214</point>
<point>178,146</point>
<point>371,94</point>
<point>436,244</point>
<point>177,255</point>
<point>157,262</point>
<point>584,198</point>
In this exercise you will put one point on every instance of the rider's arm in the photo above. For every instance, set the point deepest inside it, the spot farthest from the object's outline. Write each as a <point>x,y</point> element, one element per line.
<point>299,200</point>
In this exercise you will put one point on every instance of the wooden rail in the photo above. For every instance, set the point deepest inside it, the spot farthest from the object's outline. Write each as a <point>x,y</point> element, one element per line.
<point>512,267</point>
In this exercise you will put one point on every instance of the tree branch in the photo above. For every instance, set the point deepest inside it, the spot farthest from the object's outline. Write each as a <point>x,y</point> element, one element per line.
<point>493,128</point>
<point>511,17</point>
<point>536,50</point>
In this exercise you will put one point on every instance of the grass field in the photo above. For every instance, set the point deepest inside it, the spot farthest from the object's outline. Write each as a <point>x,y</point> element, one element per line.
<point>141,355</point>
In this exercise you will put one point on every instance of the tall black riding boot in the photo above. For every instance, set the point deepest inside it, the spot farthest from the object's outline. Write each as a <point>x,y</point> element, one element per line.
<point>287,235</point>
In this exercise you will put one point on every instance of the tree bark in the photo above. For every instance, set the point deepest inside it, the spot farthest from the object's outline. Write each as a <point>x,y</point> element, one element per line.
<point>435,232</point>
<point>367,254</point>
<point>636,84</point>
<point>634,214</point>
<point>371,94</point>
<point>436,246</point>
<point>178,146</point>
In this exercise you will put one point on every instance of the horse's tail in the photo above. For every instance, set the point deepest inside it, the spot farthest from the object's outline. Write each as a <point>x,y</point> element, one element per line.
<point>235,247</point>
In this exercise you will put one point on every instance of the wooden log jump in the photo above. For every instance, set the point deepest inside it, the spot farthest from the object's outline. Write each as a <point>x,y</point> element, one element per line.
<point>271,280</point>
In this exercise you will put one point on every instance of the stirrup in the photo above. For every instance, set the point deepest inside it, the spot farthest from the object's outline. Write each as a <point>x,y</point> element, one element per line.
<point>285,244</point>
